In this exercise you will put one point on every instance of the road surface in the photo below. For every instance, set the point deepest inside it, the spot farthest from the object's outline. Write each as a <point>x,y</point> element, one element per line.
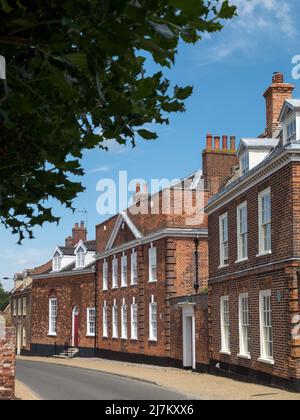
<point>56,382</point>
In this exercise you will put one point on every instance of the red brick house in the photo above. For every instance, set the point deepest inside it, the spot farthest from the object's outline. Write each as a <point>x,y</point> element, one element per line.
<point>149,265</point>
<point>20,306</point>
<point>64,299</point>
<point>254,253</point>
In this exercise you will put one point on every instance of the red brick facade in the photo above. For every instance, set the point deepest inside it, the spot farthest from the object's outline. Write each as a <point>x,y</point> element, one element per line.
<point>7,365</point>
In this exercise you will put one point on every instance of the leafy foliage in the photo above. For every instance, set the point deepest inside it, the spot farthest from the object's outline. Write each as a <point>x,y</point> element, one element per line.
<point>4,298</point>
<point>76,79</point>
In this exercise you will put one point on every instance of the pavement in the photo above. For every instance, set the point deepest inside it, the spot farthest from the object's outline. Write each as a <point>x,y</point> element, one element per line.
<point>24,393</point>
<point>185,383</point>
<point>55,383</point>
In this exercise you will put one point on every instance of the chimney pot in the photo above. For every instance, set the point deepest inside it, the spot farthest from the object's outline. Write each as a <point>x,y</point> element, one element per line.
<point>82,225</point>
<point>233,143</point>
<point>225,142</point>
<point>278,78</point>
<point>217,142</point>
<point>209,142</point>
<point>146,188</point>
<point>138,188</point>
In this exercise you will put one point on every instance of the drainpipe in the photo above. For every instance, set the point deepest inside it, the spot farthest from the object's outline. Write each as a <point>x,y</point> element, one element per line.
<point>197,285</point>
<point>96,308</point>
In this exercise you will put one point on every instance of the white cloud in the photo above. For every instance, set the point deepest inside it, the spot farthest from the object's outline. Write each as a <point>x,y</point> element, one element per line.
<point>99,169</point>
<point>257,20</point>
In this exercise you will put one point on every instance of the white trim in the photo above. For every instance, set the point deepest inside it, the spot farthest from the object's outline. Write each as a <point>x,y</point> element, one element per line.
<point>240,257</point>
<point>73,324</point>
<point>155,236</point>
<point>88,319</point>
<point>261,195</point>
<point>152,337</point>
<point>105,320</point>
<point>188,312</point>
<point>80,245</point>
<point>263,358</point>
<point>51,332</point>
<point>222,242</point>
<point>123,217</point>
<point>224,350</point>
<point>242,353</point>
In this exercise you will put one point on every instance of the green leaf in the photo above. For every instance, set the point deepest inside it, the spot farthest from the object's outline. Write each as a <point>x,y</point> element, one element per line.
<point>183,93</point>
<point>147,135</point>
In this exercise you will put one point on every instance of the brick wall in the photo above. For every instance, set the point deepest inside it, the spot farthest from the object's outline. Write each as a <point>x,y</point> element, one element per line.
<point>271,272</point>
<point>70,291</point>
<point>7,365</point>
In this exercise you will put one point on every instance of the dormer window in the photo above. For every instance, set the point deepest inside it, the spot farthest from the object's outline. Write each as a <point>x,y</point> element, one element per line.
<point>291,131</point>
<point>80,258</point>
<point>56,262</point>
<point>245,163</point>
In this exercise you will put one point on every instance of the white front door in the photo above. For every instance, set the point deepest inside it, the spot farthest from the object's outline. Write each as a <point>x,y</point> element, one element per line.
<point>189,342</point>
<point>19,340</point>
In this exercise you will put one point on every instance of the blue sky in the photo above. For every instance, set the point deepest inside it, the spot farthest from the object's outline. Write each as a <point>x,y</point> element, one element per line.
<point>229,72</point>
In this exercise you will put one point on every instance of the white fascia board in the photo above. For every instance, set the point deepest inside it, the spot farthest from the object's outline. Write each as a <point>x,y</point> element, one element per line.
<point>80,245</point>
<point>57,249</point>
<point>123,217</point>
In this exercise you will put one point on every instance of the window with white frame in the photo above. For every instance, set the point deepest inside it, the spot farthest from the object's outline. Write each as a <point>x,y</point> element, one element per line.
<point>115,282</point>
<point>52,316</point>
<point>24,306</point>
<point>266,329</point>
<point>134,272</point>
<point>124,271</point>
<point>245,163</point>
<point>15,307</point>
<point>105,275</point>
<point>242,231</point>
<point>124,326</point>
<point>105,319</point>
<point>91,322</point>
<point>153,320</point>
<point>115,321</point>
<point>80,258</point>
<point>223,234</point>
<point>291,129</point>
<point>152,264</point>
<point>264,203</point>
<point>225,325</point>
<point>56,262</point>
<point>244,325</point>
<point>24,339</point>
<point>20,307</point>
<point>134,320</point>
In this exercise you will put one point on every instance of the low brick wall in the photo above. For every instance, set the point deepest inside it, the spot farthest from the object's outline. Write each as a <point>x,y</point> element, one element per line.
<point>7,365</point>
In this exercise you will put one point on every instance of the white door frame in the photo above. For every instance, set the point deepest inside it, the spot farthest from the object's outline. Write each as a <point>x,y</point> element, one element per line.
<point>75,312</point>
<point>19,340</point>
<point>189,312</point>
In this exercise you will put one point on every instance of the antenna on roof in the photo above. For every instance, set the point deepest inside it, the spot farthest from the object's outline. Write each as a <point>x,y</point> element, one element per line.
<point>85,213</point>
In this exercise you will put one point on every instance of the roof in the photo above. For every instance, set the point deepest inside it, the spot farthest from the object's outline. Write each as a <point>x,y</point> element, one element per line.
<point>258,143</point>
<point>66,251</point>
<point>90,245</point>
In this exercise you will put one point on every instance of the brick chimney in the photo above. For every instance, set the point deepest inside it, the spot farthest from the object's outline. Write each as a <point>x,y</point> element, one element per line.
<point>69,242</point>
<point>140,194</point>
<point>218,162</point>
<point>79,232</point>
<point>275,96</point>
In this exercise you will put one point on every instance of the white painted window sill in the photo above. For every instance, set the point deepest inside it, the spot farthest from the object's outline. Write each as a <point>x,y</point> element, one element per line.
<point>90,335</point>
<point>52,335</point>
<point>244,356</point>
<point>105,336</point>
<point>226,353</point>
<point>152,340</point>
<point>134,339</point>
<point>133,284</point>
<point>242,261</point>
<point>223,266</point>
<point>124,286</point>
<point>152,281</point>
<point>267,361</point>
<point>264,254</point>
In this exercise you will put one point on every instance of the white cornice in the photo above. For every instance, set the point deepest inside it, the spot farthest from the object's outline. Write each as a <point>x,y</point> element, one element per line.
<point>64,274</point>
<point>257,175</point>
<point>163,233</point>
<point>123,217</point>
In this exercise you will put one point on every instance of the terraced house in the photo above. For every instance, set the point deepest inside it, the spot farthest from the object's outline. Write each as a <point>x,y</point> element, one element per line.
<point>63,310</point>
<point>254,253</point>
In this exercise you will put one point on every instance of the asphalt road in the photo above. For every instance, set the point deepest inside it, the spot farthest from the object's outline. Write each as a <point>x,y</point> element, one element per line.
<point>56,383</point>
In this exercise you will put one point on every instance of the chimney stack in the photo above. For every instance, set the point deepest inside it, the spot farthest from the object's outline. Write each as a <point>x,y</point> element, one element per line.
<point>218,160</point>
<point>224,142</point>
<point>217,142</point>
<point>233,143</point>
<point>209,142</point>
<point>79,233</point>
<point>277,93</point>
<point>69,242</point>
